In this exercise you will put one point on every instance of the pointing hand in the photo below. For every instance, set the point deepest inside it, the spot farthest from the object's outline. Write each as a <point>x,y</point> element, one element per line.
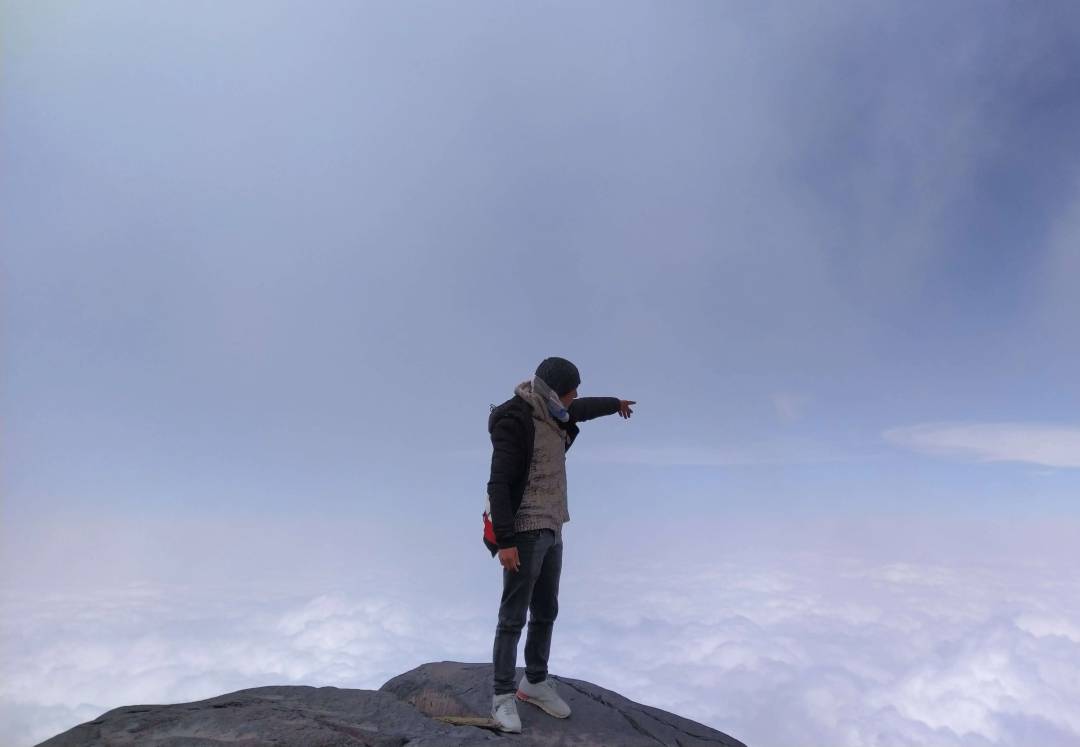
<point>624,407</point>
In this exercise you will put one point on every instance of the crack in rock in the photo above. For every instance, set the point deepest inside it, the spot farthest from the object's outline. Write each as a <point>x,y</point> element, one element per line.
<point>228,704</point>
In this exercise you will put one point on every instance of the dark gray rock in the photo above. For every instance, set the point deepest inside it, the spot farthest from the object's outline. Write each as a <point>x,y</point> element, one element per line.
<point>598,716</point>
<point>402,713</point>
<point>281,715</point>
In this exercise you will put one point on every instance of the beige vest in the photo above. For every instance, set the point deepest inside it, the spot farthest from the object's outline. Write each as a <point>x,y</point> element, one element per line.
<point>543,505</point>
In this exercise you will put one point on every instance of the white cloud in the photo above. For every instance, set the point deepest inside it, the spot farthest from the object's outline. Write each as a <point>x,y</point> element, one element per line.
<point>1047,445</point>
<point>783,635</point>
<point>789,406</point>
<point>875,653</point>
<point>1040,625</point>
<point>82,654</point>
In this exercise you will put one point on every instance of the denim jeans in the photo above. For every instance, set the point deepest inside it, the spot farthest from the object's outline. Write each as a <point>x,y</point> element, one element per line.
<point>534,587</point>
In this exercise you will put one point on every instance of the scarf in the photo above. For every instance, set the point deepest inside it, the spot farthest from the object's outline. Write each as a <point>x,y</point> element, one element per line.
<point>554,404</point>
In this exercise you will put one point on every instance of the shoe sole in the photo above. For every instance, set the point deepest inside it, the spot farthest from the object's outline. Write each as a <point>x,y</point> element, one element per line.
<point>526,699</point>
<point>504,729</point>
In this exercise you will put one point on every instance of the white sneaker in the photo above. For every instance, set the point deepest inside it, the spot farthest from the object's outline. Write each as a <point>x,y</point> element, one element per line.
<point>543,695</point>
<point>504,711</point>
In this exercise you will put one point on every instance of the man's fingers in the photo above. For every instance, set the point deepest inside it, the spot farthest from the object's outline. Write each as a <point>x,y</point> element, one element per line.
<point>510,561</point>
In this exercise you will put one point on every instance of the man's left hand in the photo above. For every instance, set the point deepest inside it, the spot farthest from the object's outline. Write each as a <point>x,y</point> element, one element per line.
<point>624,407</point>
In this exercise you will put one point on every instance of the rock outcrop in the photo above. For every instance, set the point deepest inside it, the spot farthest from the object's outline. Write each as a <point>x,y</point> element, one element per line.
<point>420,708</point>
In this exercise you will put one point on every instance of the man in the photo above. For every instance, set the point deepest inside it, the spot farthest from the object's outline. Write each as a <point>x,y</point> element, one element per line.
<point>530,434</point>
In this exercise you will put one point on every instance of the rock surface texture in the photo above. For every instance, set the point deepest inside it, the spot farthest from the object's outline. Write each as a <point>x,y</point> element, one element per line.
<point>404,712</point>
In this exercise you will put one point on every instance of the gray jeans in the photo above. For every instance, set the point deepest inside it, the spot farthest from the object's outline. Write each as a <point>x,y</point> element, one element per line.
<point>534,587</point>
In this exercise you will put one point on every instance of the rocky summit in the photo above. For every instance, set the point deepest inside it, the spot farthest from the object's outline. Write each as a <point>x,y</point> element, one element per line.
<point>440,704</point>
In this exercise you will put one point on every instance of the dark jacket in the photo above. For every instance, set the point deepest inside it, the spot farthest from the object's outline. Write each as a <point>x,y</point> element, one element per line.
<point>512,432</point>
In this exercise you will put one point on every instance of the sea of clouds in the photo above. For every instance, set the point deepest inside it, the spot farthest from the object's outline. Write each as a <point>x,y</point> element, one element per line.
<point>866,632</point>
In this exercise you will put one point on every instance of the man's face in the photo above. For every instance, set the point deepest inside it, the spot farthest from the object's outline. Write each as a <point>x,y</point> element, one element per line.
<point>567,398</point>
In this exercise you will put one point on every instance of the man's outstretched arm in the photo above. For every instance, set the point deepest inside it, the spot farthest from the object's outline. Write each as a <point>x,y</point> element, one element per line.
<point>587,408</point>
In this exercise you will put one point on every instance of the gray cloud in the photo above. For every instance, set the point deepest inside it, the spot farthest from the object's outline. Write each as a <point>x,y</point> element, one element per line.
<point>240,237</point>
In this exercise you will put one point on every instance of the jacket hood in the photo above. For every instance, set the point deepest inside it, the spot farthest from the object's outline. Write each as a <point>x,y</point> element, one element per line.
<point>527,392</point>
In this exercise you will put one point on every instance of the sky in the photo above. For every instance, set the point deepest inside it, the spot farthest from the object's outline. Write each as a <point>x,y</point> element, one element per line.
<point>265,267</point>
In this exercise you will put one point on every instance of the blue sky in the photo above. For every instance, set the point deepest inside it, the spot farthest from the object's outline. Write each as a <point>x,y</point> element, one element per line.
<point>271,262</point>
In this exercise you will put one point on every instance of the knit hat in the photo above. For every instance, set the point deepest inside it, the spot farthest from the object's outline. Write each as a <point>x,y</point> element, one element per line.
<point>559,374</point>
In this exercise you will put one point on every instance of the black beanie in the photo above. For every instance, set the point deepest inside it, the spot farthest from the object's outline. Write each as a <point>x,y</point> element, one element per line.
<point>559,374</point>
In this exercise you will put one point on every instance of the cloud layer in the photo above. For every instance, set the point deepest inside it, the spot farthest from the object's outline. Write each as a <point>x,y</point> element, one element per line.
<point>794,643</point>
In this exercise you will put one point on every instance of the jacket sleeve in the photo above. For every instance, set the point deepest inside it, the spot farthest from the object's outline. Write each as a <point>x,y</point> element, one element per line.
<point>507,441</point>
<point>587,408</point>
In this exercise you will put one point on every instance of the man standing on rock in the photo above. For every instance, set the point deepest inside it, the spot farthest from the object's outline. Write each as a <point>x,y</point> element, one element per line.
<point>530,434</point>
